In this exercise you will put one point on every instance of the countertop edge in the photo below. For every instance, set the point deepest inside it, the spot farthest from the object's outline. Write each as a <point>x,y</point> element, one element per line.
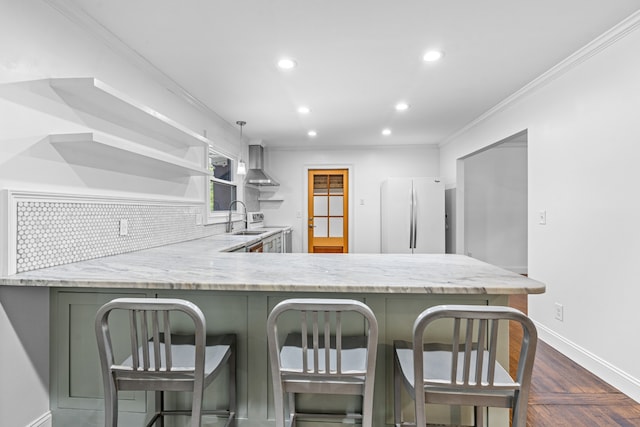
<point>283,287</point>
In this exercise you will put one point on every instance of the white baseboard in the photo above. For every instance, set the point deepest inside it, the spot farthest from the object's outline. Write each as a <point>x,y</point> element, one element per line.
<point>44,421</point>
<point>616,377</point>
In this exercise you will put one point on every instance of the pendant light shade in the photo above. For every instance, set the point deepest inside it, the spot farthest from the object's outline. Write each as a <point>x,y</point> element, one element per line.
<point>242,167</point>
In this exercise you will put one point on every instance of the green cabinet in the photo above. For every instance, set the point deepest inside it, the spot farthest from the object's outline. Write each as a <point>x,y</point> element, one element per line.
<point>76,383</point>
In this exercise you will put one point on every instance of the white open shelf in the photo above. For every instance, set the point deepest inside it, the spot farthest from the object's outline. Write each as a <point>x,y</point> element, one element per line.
<point>101,100</point>
<point>109,152</point>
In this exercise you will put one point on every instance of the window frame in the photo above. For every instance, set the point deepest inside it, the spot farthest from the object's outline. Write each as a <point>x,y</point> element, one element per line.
<point>221,216</point>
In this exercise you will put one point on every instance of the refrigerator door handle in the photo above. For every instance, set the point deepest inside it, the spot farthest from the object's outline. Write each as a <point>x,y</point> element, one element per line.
<point>411,217</point>
<point>414,209</point>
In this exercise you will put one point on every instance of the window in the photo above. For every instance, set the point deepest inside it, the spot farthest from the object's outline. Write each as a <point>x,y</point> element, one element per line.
<point>222,189</point>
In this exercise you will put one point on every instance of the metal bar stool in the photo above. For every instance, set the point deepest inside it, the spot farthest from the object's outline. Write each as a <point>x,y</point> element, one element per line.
<point>161,360</point>
<point>464,370</point>
<point>318,358</point>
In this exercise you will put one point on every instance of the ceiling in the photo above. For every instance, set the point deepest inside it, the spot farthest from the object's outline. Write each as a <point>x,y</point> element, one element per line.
<point>356,59</point>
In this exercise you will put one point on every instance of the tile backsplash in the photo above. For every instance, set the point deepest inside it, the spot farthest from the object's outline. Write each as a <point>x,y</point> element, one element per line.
<point>60,232</point>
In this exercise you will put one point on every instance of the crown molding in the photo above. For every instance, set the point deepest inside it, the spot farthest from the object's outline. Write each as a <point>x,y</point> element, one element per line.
<point>360,147</point>
<point>610,37</point>
<point>91,26</point>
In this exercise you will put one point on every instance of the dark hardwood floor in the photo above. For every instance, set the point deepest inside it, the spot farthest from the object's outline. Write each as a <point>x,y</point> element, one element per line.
<point>565,394</point>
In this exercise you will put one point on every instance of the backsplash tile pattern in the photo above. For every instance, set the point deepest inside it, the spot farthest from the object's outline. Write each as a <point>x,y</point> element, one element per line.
<point>55,233</point>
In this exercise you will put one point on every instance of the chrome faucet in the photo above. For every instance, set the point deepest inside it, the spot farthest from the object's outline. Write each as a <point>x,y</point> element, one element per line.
<point>246,220</point>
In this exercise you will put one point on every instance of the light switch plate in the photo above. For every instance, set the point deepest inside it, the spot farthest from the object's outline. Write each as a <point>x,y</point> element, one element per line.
<point>542,217</point>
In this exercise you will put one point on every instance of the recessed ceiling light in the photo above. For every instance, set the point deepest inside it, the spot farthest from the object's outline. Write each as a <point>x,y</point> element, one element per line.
<point>312,133</point>
<point>402,106</point>
<point>304,110</point>
<point>433,55</point>
<point>287,63</point>
<point>386,132</point>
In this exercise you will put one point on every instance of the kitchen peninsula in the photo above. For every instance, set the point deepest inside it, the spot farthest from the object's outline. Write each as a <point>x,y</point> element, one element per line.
<point>236,292</point>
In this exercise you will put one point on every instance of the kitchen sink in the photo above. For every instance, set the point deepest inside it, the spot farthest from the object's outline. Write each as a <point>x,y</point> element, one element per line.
<point>247,233</point>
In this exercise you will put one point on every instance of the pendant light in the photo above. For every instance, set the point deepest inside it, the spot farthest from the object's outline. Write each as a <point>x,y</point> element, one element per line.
<point>242,167</point>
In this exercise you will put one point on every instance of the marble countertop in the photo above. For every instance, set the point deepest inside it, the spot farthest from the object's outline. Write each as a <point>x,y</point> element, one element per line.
<point>199,264</point>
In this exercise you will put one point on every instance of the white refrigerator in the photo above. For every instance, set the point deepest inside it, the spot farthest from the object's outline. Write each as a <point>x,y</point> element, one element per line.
<point>412,216</point>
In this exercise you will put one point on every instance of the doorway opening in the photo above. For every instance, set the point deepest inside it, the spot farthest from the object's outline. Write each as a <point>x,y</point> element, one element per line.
<point>491,203</point>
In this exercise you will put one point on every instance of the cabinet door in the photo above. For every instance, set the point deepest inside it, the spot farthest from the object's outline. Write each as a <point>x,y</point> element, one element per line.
<point>278,243</point>
<point>76,378</point>
<point>267,245</point>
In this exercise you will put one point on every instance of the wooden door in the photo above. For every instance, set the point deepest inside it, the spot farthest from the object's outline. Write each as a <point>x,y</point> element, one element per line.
<point>328,210</point>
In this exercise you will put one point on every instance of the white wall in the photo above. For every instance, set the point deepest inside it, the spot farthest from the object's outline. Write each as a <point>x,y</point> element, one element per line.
<point>495,206</point>
<point>583,138</point>
<point>38,42</point>
<point>369,167</point>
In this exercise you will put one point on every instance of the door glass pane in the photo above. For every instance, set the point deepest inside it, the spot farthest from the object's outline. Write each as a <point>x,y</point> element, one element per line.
<point>320,184</point>
<point>336,184</point>
<point>335,227</point>
<point>320,207</point>
<point>321,226</point>
<point>335,205</point>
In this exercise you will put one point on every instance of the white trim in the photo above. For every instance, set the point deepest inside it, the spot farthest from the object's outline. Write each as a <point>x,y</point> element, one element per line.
<point>305,201</point>
<point>46,420</point>
<point>93,198</point>
<point>45,189</point>
<point>602,42</point>
<point>10,225</point>
<point>461,243</point>
<point>609,373</point>
<point>4,231</point>
<point>273,147</point>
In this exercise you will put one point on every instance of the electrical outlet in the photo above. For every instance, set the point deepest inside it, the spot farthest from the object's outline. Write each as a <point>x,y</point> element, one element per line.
<point>559,312</point>
<point>198,219</point>
<point>124,227</point>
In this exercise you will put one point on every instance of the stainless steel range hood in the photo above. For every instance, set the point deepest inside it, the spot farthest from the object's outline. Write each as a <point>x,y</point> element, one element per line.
<point>256,174</point>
